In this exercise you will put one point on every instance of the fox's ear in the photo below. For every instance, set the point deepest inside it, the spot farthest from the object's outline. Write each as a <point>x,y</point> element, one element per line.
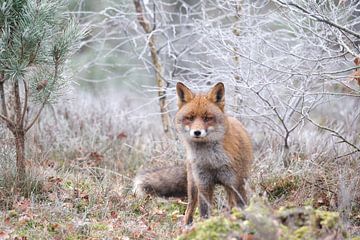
<point>217,95</point>
<point>184,94</point>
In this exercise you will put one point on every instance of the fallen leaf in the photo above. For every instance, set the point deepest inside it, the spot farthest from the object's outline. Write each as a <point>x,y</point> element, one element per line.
<point>7,221</point>
<point>247,237</point>
<point>96,159</point>
<point>357,71</point>
<point>121,136</point>
<point>22,205</point>
<point>113,214</point>
<point>24,219</point>
<point>4,235</point>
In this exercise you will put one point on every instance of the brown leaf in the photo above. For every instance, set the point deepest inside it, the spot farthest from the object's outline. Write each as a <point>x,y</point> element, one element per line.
<point>22,205</point>
<point>24,219</point>
<point>52,196</point>
<point>247,237</point>
<point>7,221</point>
<point>84,196</point>
<point>356,73</point>
<point>96,156</point>
<point>54,227</point>
<point>121,136</point>
<point>357,76</point>
<point>113,214</point>
<point>4,235</point>
<point>357,61</point>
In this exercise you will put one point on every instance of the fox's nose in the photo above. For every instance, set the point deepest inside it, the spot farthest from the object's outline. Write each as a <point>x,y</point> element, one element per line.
<point>197,133</point>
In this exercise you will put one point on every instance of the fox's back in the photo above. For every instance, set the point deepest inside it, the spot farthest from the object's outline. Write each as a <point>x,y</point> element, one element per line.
<point>238,145</point>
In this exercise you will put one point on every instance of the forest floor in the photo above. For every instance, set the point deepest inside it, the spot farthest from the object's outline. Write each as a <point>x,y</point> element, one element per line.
<point>80,201</point>
<point>80,174</point>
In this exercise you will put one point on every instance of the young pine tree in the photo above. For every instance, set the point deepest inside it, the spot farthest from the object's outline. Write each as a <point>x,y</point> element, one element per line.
<point>37,37</point>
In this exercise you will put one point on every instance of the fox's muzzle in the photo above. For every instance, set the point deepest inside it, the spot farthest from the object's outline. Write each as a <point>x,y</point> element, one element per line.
<point>198,133</point>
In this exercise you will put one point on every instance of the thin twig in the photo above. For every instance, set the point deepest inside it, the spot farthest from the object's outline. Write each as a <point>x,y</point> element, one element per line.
<point>158,69</point>
<point>338,135</point>
<point>320,19</point>
<point>9,123</point>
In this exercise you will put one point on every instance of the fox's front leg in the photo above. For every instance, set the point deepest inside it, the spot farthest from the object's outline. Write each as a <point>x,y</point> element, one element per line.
<point>192,198</point>
<point>205,199</point>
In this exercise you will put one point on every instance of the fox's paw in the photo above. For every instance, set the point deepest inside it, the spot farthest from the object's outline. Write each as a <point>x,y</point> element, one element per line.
<point>185,228</point>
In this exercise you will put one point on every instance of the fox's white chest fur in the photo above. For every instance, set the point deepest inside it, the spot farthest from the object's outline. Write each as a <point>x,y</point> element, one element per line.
<point>209,162</point>
<point>210,155</point>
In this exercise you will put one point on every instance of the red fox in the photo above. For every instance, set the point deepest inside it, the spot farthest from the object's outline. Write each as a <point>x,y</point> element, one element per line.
<point>218,151</point>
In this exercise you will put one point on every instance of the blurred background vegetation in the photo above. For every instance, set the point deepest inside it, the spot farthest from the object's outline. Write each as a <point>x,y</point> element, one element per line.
<point>291,74</point>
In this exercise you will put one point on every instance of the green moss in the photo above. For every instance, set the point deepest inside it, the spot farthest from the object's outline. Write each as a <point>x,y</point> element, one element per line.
<point>262,222</point>
<point>212,229</point>
<point>173,210</point>
<point>296,217</point>
<point>309,202</point>
<point>302,233</point>
<point>13,213</point>
<point>68,185</point>
<point>278,187</point>
<point>138,206</point>
<point>237,214</point>
<point>173,207</point>
<point>81,206</point>
<point>31,224</point>
<point>73,237</point>
<point>327,219</point>
<point>100,227</point>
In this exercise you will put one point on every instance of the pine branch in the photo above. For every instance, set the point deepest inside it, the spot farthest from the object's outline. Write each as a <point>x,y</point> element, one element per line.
<point>45,101</point>
<point>36,116</point>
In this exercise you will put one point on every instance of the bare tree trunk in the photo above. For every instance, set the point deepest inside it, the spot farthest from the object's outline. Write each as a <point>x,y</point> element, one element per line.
<point>165,117</point>
<point>2,95</point>
<point>286,153</point>
<point>15,125</point>
<point>236,32</point>
<point>19,134</point>
<point>20,154</point>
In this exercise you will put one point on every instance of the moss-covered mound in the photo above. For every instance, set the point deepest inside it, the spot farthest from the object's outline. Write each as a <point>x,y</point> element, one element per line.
<point>259,221</point>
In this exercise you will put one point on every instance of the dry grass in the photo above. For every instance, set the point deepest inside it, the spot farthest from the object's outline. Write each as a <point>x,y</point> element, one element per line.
<point>83,154</point>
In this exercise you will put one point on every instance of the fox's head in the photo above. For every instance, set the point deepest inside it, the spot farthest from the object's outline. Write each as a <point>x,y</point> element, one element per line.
<point>201,116</point>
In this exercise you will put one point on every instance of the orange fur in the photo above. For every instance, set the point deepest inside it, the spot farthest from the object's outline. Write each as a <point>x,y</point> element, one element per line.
<point>218,148</point>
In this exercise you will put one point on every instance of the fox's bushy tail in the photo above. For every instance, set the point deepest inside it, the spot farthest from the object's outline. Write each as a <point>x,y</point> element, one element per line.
<point>162,182</point>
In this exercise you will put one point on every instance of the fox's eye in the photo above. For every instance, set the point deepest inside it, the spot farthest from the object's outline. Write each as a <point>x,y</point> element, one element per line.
<point>189,118</point>
<point>208,118</point>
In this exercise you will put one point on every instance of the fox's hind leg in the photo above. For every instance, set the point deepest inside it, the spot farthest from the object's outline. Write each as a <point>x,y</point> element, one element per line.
<point>235,190</point>
<point>240,194</point>
<point>230,197</point>
<point>234,186</point>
